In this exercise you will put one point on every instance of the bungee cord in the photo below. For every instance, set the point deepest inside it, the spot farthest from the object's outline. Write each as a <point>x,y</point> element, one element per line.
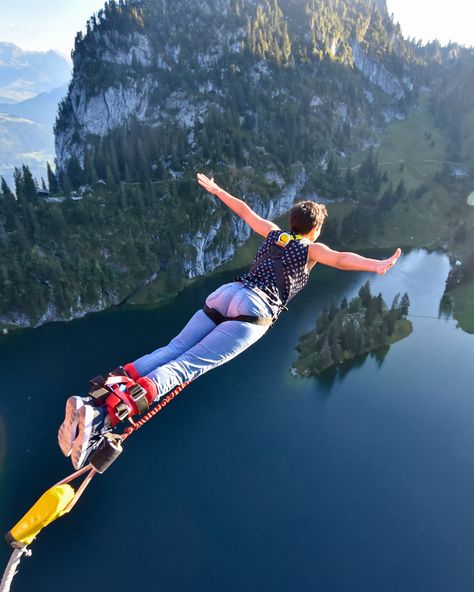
<point>61,498</point>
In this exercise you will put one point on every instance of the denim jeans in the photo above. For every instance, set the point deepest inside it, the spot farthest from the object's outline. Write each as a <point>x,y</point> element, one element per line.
<point>203,345</point>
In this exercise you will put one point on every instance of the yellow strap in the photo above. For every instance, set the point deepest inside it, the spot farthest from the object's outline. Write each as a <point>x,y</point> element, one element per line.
<point>286,237</point>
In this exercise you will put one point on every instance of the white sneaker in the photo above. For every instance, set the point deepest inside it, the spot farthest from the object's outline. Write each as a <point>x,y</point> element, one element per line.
<point>91,424</point>
<point>68,431</point>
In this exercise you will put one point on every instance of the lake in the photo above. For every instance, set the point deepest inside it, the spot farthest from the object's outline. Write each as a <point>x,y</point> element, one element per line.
<point>253,479</point>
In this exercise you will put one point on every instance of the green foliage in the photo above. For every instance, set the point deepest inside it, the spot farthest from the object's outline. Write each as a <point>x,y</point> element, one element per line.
<point>354,328</point>
<point>70,255</point>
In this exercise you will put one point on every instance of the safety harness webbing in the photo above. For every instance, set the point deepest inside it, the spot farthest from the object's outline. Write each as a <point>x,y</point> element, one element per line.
<point>275,253</point>
<point>219,318</point>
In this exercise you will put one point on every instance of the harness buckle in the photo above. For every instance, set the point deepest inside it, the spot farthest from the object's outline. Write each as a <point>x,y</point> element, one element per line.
<point>122,411</point>
<point>284,239</point>
<point>99,390</point>
<point>138,395</point>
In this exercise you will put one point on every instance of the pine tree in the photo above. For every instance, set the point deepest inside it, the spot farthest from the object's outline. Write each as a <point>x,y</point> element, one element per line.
<point>18,180</point>
<point>65,183</point>
<point>334,336</point>
<point>6,191</point>
<point>109,177</point>
<point>30,191</point>
<point>379,303</point>
<point>390,320</point>
<point>395,308</point>
<point>371,312</point>
<point>404,305</point>
<point>325,359</point>
<point>10,205</point>
<point>365,295</point>
<point>355,305</point>
<point>350,338</point>
<point>323,322</point>
<point>52,180</point>
<point>286,44</point>
<point>332,310</point>
<point>89,170</point>
<point>400,191</point>
<point>75,173</point>
<point>396,301</point>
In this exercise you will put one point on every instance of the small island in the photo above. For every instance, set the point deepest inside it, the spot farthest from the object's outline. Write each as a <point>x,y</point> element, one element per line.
<point>363,325</point>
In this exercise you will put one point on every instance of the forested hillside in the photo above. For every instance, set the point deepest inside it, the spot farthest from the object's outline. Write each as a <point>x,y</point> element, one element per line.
<point>270,96</point>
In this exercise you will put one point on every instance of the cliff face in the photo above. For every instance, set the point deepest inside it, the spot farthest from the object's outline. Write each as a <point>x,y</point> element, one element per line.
<point>378,75</point>
<point>205,256</point>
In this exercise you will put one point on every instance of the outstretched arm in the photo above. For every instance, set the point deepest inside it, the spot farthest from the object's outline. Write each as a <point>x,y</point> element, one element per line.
<point>256,223</point>
<point>350,261</point>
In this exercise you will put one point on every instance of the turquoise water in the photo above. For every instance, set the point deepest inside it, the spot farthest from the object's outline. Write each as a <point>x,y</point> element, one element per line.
<point>253,479</point>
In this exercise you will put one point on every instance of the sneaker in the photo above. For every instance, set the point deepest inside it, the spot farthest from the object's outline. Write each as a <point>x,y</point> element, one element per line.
<point>91,424</point>
<point>68,431</point>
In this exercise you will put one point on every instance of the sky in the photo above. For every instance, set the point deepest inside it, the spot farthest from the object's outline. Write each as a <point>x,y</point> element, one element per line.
<point>451,20</point>
<point>40,25</point>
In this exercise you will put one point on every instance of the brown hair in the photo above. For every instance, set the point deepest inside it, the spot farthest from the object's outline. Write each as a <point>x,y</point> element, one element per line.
<point>306,215</point>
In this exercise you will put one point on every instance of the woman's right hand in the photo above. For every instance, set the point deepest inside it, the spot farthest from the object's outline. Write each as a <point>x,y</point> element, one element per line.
<point>208,184</point>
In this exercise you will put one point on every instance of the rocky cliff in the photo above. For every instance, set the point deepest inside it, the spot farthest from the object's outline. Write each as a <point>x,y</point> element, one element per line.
<point>136,61</point>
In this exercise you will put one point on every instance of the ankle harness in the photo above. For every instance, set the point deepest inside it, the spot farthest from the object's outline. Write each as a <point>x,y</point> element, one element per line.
<point>121,395</point>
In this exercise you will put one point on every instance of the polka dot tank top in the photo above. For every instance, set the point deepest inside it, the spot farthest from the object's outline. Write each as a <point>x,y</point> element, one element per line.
<point>262,274</point>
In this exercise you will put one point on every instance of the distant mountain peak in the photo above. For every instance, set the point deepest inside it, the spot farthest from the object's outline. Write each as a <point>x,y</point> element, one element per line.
<point>25,74</point>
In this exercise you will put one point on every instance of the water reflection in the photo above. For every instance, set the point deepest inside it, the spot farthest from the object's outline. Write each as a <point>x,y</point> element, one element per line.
<point>336,374</point>
<point>380,354</point>
<point>446,307</point>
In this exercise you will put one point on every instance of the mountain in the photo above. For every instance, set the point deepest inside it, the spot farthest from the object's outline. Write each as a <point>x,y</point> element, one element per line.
<point>42,108</point>
<point>26,133</point>
<point>23,141</point>
<point>25,74</point>
<point>318,66</point>
<point>275,98</point>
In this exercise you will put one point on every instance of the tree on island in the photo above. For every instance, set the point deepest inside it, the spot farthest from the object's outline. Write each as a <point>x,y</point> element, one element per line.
<point>363,325</point>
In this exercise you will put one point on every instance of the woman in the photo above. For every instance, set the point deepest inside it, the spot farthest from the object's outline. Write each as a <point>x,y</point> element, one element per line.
<point>235,316</point>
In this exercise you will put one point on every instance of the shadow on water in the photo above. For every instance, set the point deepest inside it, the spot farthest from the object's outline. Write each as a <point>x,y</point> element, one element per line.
<point>446,307</point>
<point>380,355</point>
<point>336,374</point>
<point>327,379</point>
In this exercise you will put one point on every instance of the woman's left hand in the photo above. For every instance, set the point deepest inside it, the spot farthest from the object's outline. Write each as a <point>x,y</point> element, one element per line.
<point>387,264</point>
<point>208,184</point>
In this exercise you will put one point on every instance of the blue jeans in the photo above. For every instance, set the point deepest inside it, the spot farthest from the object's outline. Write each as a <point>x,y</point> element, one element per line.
<point>203,345</point>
